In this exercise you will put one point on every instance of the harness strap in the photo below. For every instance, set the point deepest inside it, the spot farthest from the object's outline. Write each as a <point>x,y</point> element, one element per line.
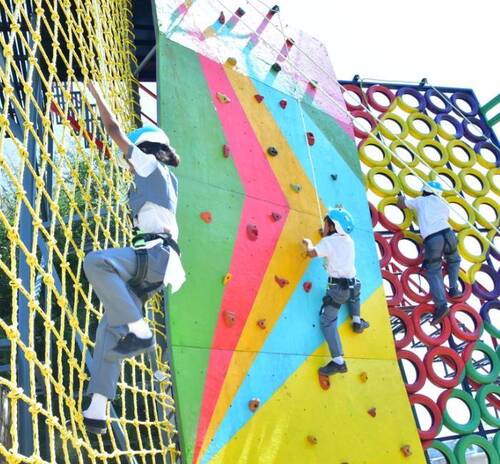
<point>166,237</point>
<point>142,267</point>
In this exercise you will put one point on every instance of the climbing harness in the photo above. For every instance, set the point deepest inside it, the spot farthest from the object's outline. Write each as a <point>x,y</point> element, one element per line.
<point>452,247</point>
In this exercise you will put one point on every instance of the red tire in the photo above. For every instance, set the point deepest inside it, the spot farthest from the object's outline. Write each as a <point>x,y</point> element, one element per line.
<point>450,357</point>
<point>361,134</point>
<point>399,256</point>
<point>434,412</point>
<point>396,285</point>
<point>455,325</point>
<point>357,90</point>
<point>419,368</point>
<point>385,249</point>
<point>389,225</point>
<point>371,97</point>
<point>408,324</point>
<point>405,282</point>
<point>429,340</point>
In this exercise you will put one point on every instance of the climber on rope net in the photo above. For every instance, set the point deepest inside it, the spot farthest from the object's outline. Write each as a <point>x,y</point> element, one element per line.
<point>343,286</point>
<point>439,241</point>
<point>125,278</point>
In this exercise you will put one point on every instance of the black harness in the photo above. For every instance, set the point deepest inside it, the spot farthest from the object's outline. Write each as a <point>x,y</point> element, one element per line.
<point>452,247</point>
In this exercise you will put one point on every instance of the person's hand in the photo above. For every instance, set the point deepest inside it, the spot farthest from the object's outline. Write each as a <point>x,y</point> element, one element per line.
<point>308,243</point>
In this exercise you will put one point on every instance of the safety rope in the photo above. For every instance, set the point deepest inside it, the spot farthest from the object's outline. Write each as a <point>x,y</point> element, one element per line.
<point>62,200</point>
<point>371,135</point>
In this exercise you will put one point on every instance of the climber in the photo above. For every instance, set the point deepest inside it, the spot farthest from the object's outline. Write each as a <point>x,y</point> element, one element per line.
<point>343,286</point>
<point>124,278</point>
<point>439,241</point>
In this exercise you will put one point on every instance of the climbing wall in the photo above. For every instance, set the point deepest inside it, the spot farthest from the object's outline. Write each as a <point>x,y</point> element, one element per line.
<point>266,147</point>
<point>407,134</point>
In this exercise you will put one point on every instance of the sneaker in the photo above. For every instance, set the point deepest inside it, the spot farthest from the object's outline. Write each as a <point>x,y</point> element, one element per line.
<point>130,346</point>
<point>455,292</point>
<point>333,368</point>
<point>439,314</point>
<point>97,426</point>
<point>359,327</point>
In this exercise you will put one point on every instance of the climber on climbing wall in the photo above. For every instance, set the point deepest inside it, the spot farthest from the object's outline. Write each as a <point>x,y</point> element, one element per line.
<point>124,278</point>
<point>439,241</point>
<point>343,286</point>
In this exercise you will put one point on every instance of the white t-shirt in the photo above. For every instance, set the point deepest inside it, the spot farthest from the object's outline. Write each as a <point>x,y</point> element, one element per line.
<point>339,253</point>
<point>432,213</point>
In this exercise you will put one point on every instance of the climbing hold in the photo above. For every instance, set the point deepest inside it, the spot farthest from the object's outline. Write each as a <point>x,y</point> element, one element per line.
<point>372,412</point>
<point>296,187</point>
<point>231,61</point>
<point>252,232</point>
<point>225,151</point>
<point>253,404</point>
<point>307,286</point>
<point>313,84</point>
<point>363,377</point>
<point>229,318</point>
<point>227,278</point>
<point>223,98</point>
<point>206,216</point>
<point>312,439</point>
<point>222,18</point>
<point>275,216</point>
<point>276,67</point>
<point>283,103</point>
<point>275,9</point>
<point>259,98</point>
<point>240,12</point>
<point>272,151</point>
<point>280,281</point>
<point>261,323</point>
<point>406,450</point>
<point>310,138</point>
<point>290,42</point>
<point>324,381</point>
<point>334,176</point>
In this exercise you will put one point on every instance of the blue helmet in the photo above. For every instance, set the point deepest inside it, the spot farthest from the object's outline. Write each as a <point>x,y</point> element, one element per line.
<point>148,134</point>
<point>433,186</point>
<point>342,219</point>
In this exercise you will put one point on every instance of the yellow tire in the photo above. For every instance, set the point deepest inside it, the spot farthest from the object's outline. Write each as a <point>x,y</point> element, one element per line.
<point>396,159</point>
<point>404,184</point>
<point>453,177</point>
<point>443,154</point>
<point>376,189</point>
<point>431,124</point>
<point>467,188</point>
<point>479,217</point>
<point>366,159</point>
<point>407,212</point>
<point>386,132</point>
<point>471,215</point>
<point>405,107</point>
<point>455,160</point>
<point>462,249</point>
<point>494,184</point>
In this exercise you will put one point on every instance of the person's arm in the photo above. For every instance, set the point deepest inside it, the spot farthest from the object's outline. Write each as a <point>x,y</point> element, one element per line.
<point>310,251</point>
<point>111,125</point>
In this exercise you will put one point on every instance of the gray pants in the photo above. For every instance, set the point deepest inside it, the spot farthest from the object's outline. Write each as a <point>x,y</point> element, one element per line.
<point>108,271</point>
<point>334,298</point>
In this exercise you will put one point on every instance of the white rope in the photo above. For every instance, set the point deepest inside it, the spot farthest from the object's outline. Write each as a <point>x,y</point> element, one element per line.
<point>348,114</point>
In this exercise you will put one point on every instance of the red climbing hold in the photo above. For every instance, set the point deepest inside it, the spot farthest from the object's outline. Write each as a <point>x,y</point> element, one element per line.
<point>372,412</point>
<point>310,138</point>
<point>275,216</point>
<point>206,216</point>
<point>240,12</point>
<point>313,84</point>
<point>259,98</point>
<point>290,42</point>
<point>222,18</point>
<point>261,323</point>
<point>280,281</point>
<point>283,103</point>
<point>307,286</point>
<point>229,318</point>
<point>225,151</point>
<point>252,232</point>
<point>253,404</point>
<point>324,381</point>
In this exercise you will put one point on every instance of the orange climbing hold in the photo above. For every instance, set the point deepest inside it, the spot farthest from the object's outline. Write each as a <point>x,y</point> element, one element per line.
<point>363,377</point>
<point>253,404</point>
<point>372,412</point>
<point>312,439</point>
<point>229,318</point>
<point>231,62</point>
<point>324,381</point>
<point>280,281</point>
<point>222,98</point>
<point>406,450</point>
<point>225,151</point>
<point>259,98</point>
<point>227,278</point>
<point>206,216</point>
<point>252,232</point>
<point>307,286</point>
<point>262,323</point>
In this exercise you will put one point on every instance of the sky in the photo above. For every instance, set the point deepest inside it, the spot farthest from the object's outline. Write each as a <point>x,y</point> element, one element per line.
<point>450,42</point>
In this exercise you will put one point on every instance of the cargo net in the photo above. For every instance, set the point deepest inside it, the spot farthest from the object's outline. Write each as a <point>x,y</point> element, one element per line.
<point>61,196</point>
<point>408,135</point>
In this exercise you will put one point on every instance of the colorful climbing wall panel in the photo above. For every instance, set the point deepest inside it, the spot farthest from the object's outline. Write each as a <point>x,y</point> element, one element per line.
<point>264,154</point>
<point>420,133</point>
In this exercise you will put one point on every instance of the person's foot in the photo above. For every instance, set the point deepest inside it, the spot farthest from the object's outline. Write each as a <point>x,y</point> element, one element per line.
<point>333,368</point>
<point>130,346</point>
<point>359,327</point>
<point>455,292</point>
<point>97,426</point>
<point>439,314</point>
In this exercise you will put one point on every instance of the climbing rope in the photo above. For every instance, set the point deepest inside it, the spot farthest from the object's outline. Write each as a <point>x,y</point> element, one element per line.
<point>60,198</point>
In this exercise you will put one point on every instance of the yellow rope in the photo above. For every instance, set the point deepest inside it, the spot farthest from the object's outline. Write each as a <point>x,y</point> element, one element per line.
<point>59,39</point>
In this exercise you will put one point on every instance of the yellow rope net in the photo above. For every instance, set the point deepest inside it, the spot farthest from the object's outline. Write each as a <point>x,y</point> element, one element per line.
<point>61,195</point>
